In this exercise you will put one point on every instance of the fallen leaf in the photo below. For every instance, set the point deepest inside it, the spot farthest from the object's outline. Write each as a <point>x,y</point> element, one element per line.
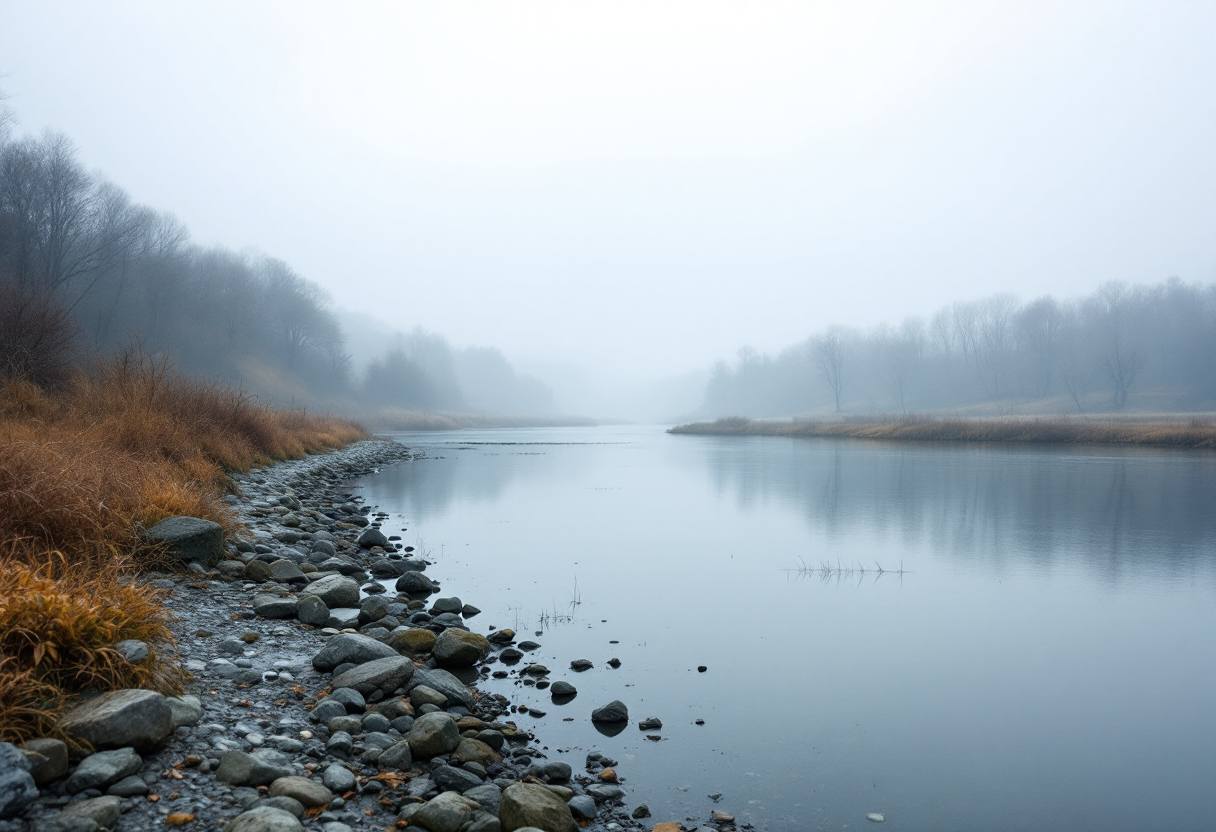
<point>179,819</point>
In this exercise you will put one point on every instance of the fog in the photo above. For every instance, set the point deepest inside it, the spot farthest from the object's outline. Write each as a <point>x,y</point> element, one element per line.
<point>552,208</point>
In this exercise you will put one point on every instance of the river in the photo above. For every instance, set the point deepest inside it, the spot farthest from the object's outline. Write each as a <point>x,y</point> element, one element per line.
<point>955,636</point>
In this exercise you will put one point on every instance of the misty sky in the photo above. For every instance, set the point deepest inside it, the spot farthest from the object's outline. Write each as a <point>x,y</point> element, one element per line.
<point>643,187</point>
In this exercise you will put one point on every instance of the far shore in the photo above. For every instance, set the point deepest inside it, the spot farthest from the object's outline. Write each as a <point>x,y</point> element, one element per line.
<point>1149,431</point>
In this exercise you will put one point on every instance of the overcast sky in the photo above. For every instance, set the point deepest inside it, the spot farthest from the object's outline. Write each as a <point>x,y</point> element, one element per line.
<point>643,187</point>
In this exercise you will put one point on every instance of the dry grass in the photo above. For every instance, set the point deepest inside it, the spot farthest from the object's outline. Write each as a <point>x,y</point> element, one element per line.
<point>1154,432</point>
<point>81,470</point>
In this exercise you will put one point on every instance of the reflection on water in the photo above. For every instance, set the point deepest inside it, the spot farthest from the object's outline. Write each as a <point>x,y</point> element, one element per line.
<point>1047,662</point>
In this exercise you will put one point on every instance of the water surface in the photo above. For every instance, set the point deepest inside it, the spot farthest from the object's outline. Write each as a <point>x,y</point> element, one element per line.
<point>1045,661</point>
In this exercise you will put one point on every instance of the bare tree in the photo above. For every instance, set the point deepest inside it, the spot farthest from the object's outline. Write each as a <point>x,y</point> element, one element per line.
<point>828,350</point>
<point>1120,358</point>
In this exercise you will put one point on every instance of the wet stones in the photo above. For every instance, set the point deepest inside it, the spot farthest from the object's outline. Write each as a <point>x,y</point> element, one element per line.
<point>373,537</point>
<point>97,771</point>
<point>304,789</point>
<point>531,805</point>
<point>433,734</point>
<point>312,610</point>
<point>17,787</point>
<point>274,606</point>
<point>460,648</point>
<point>350,648</point>
<point>257,769</point>
<point>190,539</point>
<point>265,819</point>
<point>415,583</point>
<point>385,674</point>
<point>579,665</point>
<point>614,712</point>
<point>137,718</point>
<point>48,760</point>
<point>334,590</point>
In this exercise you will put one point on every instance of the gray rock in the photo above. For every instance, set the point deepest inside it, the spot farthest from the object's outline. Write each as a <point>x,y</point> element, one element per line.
<point>339,744</point>
<point>614,711</point>
<point>446,813</point>
<point>342,617</point>
<point>442,605</point>
<point>376,723</point>
<point>312,610</point>
<point>287,804</point>
<point>582,807</point>
<point>531,805</point>
<point>185,710</point>
<point>137,718</point>
<point>97,771</point>
<point>454,779</point>
<point>339,779</point>
<point>347,724</point>
<point>286,572</point>
<point>335,591</point>
<point>274,606</point>
<point>459,648</point>
<point>423,695</point>
<point>444,682</point>
<point>350,698</point>
<point>133,650</point>
<point>398,756</point>
<point>230,646</point>
<point>373,609</point>
<point>265,819</point>
<point>48,759</point>
<point>103,811</point>
<point>372,537</point>
<point>487,795</point>
<point>257,570</point>
<point>325,547</point>
<point>327,710</point>
<point>562,689</point>
<point>62,822</point>
<point>17,788</point>
<point>190,539</point>
<point>385,674</point>
<point>256,769</point>
<point>604,791</point>
<point>350,648</point>
<point>385,568</point>
<point>304,789</point>
<point>483,822</point>
<point>130,786</point>
<point>415,583</point>
<point>557,771</point>
<point>433,734</point>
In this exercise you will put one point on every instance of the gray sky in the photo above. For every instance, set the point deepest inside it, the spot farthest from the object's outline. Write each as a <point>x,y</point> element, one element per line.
<point>640,188</point>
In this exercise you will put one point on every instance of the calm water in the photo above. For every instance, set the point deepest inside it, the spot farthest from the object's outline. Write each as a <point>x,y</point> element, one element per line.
<point>1046,661</point>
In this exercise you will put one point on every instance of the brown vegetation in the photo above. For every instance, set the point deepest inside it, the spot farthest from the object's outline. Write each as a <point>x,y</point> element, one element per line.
<point>81,470</point>
<point>1156,432</point>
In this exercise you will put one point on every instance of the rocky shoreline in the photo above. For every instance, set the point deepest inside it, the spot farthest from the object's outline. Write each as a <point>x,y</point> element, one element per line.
<point>319,699</point>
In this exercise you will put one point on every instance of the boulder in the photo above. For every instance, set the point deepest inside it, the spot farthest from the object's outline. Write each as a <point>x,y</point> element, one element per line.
<point>338,779</point>
<point>17,788</point>
<point>191,539</point>
<point>442,605</point>
<point>562,689</point>
<point>446,813</point>
<point>422,695</point>
<point>257,769</point>
<point>433,734</point>
<point>454,779</point>
<point>398,756</point>
<point>416,583</point>
<point>614,711</point>
<point>409,641</point>
<point>133,650</point>
<point>257,570</point>
<point>385,674</point>
<point>186,710</point>
<point>274,606</point>
<point>444,682</point>
<point>488,795</point>
<point>531,805</point>
<point>460,648</point>
<point>307,790</point>
<point>312,610</point>
<point>265,819</point>
<point>48,759</point>
<point>286,572</point>
<point>140,719</point>
<point>334,590</point>
<point>476,751</point>
<point>372,537</point>
<point>103,811</point>
<point>351,648</point>
<point>97,771</point>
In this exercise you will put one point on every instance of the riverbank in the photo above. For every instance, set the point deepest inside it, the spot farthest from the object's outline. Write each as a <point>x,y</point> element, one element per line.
<point>1153,432</point>
<point>316,698</point>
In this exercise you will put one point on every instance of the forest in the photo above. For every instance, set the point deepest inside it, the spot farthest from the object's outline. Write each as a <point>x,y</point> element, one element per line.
<point>1123,348</point>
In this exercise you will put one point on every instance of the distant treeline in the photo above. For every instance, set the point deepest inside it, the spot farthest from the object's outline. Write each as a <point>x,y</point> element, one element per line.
<point>84,270</point>
<point>1123,347</point>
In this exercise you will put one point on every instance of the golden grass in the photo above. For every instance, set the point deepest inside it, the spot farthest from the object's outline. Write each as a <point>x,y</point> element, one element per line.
<point>1152,432</point>
<point>81,470</point>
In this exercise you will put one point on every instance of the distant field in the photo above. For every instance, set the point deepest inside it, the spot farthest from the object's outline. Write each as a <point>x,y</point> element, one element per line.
<point>1170,432</point>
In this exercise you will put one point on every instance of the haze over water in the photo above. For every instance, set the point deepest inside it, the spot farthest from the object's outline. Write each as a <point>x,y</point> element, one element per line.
<point>1045,662</point>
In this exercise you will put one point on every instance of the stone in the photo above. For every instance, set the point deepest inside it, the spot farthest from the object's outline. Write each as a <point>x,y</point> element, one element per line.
<point>603,791</point>
<point>274,606</point>
<point>133,650</point>
<point>582,807</point>
<point>340,618</point>
<point>454,779</point>
<point>287,804</point>
<point>62,822</point>
<point>131,786</point>
<point>487,795</point>
<point>312,610</point>
<point>652,723</point>
<point>721,817</point>
<point>103,811</point>
<point>350,648</point>
<point>102,769</point>
<point>338,779</point>
<point>190,539</point>
<point>876,817</point>
<point>444,682</point>
<point>325,547</point>
<point>531,805</point>
<point>563,689</point>
<point>137,718</point>
<point>410,641</point>
<point>398,756</point>
<point>415,583</point>
<point>557,771</point>
<point>326,710</point>
<point>286,572</point>
<point>504,636</point>
<point>433,734</point>
<point>373,609</point>
<point>372,537</point>
<point>459,648</point>
<point>446,813</point>
<point>304,789</point>
<point>442,605</point>
<point>257,570</point>
<point>48,759</point>
<point>350,698</point>
<point>614,711</point>
<point>252,769</point>
<point>265,819</point>
<point>385,674</point>
<point>422,695</point>
<point>475,751</point>
<point>581,664</point>
<point>334,590</point>
<point>385,568</point>
<point>641,812</point>
<point>184,710</point>
<point>17,787</point>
